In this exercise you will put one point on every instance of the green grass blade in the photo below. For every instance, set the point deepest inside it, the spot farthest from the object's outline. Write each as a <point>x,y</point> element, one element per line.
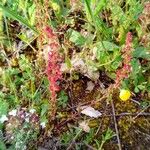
<point>15,16</point>
<point>88,10</point>
<point>99,7</point>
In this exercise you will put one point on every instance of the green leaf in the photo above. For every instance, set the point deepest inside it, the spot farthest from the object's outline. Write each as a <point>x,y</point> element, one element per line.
<point>102,56</point>
<point>136,67</point>
<point>88,10</point>
<point>140,52</point>
<point>12,14</point>
<point>144,103</point>
<point>141,87</point>
<point>99,7</point>
<point>117,14</point>
<point>2,145</point>
<point>3,107</point>
<point>32,14</point>
<point>106,46</point>
<point>135,9</point>
<point>44,108</point>
<point>116,63</point>
<point>63,99</point>
<point>76,37</point>
<point>136,90</point>
<point>68,62</point>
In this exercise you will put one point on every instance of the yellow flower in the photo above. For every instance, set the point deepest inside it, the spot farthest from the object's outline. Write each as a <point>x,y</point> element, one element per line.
<point>124,94</point>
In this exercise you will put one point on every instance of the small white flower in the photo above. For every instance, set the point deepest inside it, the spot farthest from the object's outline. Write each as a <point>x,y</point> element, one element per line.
<point>3,118</point>
<point>43,124</point>
<point>27,119</point>
<point>13,112</point>
<point>32,111</point>
<point>12,137</point>
<point>27,114</point>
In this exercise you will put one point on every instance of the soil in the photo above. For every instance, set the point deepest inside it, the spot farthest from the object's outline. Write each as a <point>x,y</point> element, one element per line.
<point>134,131</point>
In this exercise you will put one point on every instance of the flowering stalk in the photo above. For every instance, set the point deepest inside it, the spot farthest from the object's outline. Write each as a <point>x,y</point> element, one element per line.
<point>127,56</point>
<point>53,67</point>
<point>53,73</point>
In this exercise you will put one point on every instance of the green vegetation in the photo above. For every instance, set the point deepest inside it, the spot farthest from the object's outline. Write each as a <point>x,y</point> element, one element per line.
<point>74,74</point>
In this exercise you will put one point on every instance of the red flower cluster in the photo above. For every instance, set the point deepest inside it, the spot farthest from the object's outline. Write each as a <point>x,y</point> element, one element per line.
<point>53,72</point>
<point>127,56</point>
<point>53,65</point>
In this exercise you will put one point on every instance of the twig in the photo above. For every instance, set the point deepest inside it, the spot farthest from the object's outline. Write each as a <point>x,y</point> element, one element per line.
<point>135,101</point>
<point>116,127</point>
<point>90,147</point>
<point>141,112</point>
<point>127,114</point>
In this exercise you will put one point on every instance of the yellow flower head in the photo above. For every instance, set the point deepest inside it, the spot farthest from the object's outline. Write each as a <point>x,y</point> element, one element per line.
<point>124,94</point>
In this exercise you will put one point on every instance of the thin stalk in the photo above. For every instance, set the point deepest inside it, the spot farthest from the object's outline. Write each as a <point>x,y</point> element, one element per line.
<point>101,146</point>
<point>7,32</point>
<point>116,126</point>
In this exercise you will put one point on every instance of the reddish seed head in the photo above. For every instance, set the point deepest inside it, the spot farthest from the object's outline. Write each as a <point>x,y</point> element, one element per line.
<point>49,32</point>
<point>53,66</point>
<point>53,71</point>
<point>128,38</point>
<point>124,72</point>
